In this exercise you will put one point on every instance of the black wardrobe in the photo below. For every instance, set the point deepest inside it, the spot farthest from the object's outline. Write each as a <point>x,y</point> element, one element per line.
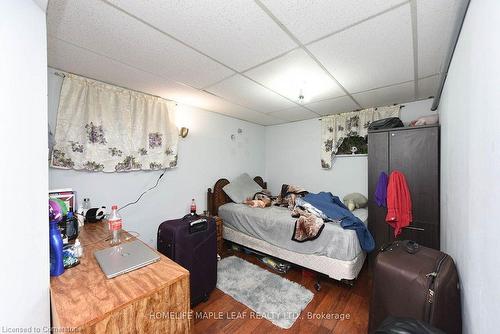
<point>414,151</point>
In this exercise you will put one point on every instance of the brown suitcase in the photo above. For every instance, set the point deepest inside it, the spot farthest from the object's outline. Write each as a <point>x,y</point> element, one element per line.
<point>421,284</point>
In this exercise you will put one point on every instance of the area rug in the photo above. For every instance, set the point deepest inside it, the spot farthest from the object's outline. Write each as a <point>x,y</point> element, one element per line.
<point>269,295</point>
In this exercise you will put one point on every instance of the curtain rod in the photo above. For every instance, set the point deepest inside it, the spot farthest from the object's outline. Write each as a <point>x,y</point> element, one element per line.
<point>62,74</point>
<point>400,106</point>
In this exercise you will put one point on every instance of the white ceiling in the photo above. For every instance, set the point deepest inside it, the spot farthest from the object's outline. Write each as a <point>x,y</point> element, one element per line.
<point>252,59</point>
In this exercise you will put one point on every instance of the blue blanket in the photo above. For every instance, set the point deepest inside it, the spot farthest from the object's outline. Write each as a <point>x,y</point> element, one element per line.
<point>334,209</point>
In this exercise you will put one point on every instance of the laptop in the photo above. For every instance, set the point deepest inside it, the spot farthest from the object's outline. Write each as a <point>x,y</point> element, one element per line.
<point>125,257</point>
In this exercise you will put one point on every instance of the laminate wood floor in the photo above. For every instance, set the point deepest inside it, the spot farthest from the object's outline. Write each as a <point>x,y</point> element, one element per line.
<point>223,314</point>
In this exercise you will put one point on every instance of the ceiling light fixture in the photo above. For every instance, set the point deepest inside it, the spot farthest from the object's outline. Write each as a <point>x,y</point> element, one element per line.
<point>302,97</point>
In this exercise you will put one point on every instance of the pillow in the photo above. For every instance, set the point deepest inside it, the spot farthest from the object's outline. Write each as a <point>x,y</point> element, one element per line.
<point>241,188</point>
<point>355,201</point>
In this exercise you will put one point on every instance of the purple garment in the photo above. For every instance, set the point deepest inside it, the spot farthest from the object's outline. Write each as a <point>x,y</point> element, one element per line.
<point>381,190</point>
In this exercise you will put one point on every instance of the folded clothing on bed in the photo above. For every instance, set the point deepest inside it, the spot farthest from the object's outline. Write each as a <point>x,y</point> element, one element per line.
<point>334,209</point>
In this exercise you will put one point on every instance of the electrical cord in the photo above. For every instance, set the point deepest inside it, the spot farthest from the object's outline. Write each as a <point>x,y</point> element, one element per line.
<point>140,196</point>
<point>144,192</point>
<point>108,237</point>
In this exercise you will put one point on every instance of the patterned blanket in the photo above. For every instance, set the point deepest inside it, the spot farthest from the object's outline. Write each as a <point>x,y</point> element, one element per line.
<point>310,221</point>
<point>308,225</point>
<point>288,195</point>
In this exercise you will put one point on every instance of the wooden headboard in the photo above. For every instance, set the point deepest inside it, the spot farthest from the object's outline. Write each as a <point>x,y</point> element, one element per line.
<point>217,196</point>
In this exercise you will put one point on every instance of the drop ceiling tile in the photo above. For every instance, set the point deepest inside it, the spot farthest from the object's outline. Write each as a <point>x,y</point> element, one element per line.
<point>67,57</point>
<point>213,103</point>
<point>209,102</point>
<point>241,90</point>
<point>70,58</point>
<point>386,96</point>
<point>294,114</point>
<point>375,53</point>
<point>99,27</point>
<point>237,32</point>
<point>428,87</point>
<point>333,106</point>
<point>309,20</point>
<point>436,21</point>
<point>294,71</point>
<point>264,119</point>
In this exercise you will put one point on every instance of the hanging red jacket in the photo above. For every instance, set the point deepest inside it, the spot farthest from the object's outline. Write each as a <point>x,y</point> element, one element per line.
<point>398,202</point>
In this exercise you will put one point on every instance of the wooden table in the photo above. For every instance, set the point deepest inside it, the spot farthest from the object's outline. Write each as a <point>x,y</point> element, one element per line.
<point>153,299</point>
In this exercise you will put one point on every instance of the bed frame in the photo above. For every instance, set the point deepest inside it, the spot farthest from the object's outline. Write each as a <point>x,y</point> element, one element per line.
<point>345,271</point>
<point>218,197</point>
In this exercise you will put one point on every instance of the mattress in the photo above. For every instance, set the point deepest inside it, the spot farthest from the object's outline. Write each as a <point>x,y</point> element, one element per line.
<point>275,225</point>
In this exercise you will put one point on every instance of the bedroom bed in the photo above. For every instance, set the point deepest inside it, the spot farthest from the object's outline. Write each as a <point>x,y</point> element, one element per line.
<point>335,253</point>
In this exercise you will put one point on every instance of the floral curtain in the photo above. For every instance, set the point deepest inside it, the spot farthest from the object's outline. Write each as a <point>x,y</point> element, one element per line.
<point>335,128</point>
<point>105,128</point>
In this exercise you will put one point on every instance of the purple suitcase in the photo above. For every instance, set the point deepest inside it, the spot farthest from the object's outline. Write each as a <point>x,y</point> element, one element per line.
<point>193,246</point>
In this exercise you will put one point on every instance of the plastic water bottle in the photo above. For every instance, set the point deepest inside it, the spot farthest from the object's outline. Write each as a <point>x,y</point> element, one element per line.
<point>78,248</point>
<point>193,207</point>
<point>56,250</point>
<point>80,216</point>
<point>115,225</point>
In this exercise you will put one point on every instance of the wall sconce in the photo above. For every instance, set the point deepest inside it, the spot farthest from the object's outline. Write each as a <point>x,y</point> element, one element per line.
<point>183,132</point>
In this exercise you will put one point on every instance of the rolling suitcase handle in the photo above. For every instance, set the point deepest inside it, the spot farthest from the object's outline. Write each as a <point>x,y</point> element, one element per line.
<point>411,247</point>
<point>198,225</point>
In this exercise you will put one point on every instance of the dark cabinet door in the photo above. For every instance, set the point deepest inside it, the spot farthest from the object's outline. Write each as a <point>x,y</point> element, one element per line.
<point>415,152</point>
<point>378,161</point>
